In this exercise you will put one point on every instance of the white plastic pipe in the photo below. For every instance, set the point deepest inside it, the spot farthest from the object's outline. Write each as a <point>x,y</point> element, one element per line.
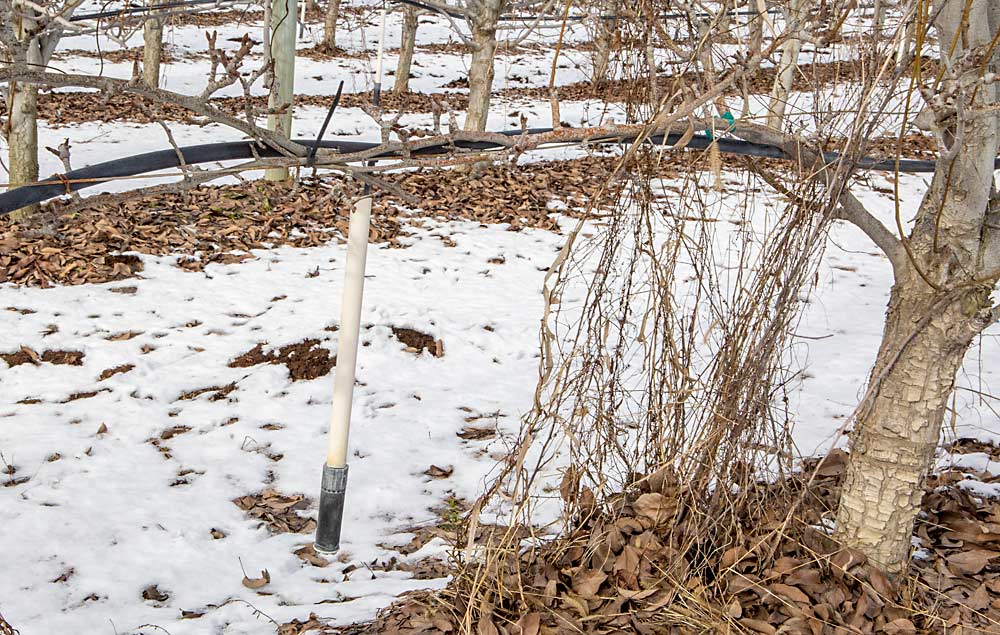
<point>350,327</point>
<point>350,312</point>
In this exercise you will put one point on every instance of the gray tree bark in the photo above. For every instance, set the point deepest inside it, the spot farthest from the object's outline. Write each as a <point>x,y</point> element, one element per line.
<point>401,84</point>
<point>483,16</point>
<point>152,51</point>
<point>22,133</point>
<point>783,80</point>
<point>603,36</point>
<point>282,95</point>
<point>756,25</point>
<point>928,330</point>
<point>330,25</point>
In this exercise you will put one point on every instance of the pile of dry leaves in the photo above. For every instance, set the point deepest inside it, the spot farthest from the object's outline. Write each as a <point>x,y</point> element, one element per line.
<point>622,569</point>
<point>223,223</point>
<point>80,107</point>
<point>75,107</point>
<point>278,512</point>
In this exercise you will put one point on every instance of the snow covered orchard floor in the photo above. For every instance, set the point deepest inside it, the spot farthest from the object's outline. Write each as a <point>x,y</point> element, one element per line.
<point>125,463</point>
<point>133,424</point>
<point>126,487</point>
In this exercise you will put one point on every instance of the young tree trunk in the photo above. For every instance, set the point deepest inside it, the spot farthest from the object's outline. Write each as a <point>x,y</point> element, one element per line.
<point>604,32</point>
<point>22,141</point>
<point>878,18</point>
<point>330,25</point>
<point>22,135</point>
<point>927,330</point>
<point>409,42</point>
<point>283,86</point>
<point>756,26</point>
<point>651,69</point>
<point>481,77</point>
<point>152,51</point>
<point>789,63</point>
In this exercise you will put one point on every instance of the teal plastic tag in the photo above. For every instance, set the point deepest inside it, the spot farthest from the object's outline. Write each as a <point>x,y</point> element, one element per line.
<point>728,116</point>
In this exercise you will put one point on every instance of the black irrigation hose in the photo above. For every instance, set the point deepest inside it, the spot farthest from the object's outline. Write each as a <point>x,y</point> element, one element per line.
<point>228,151</point>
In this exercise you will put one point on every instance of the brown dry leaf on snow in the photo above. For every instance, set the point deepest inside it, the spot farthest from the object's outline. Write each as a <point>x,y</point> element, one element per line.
<point>257,583</point>
<point>439,472</point>
<point>307,553</point>
<point>277,511</point>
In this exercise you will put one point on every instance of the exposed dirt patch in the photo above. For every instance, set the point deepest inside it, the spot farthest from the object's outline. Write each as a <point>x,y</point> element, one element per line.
<point>153,593</point>
<point>28,356</point>
<point>278,512</point>
<point>118,55</point>
<point>117,370</point>
<point>70,358</point>
<point>84,395</point>
<point>173,431</point>
<point>417,342</point>
<point>304,360</point>
<point>218,392</point>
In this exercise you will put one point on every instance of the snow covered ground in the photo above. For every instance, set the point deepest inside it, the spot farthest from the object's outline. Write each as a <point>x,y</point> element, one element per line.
<point>132,487</point>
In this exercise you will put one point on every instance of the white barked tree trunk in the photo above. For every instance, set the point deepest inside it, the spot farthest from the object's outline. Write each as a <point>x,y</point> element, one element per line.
<point>483,16</point>
<point>282,95</point>
<point>938,306</point>
<point>152,51</point>
<point>795,15</point>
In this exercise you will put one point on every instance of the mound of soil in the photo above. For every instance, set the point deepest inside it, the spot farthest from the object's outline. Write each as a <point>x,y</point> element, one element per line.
<point>26,355</point>
<point>418,342</point>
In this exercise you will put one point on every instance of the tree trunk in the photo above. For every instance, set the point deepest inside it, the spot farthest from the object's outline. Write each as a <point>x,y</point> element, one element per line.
<point>651,69</point>
<point>756,26</point>
<point>330,25</point>
<point>152,51</point>
<point>893,444</point>
<point>927,331</point>
<point>409,42</point>
<point>22,136</point>
<point>283,85</point>
<point>22,141</point>
<point>878,18</point>
<point>789,64</point>
<point>481,77</point>
<point>604,32</point>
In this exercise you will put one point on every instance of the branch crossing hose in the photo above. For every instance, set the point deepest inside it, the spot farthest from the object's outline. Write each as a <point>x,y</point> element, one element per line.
<point>75,180</point>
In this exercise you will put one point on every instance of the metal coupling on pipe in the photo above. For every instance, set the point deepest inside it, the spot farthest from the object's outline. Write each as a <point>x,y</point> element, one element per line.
<point>331,509</point>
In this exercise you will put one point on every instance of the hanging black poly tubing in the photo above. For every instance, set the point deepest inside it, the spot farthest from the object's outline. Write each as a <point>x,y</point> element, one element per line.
<point>75,180</point>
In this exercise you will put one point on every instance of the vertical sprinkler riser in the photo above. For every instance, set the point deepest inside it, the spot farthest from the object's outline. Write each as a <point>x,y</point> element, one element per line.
<point>333,490</point>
